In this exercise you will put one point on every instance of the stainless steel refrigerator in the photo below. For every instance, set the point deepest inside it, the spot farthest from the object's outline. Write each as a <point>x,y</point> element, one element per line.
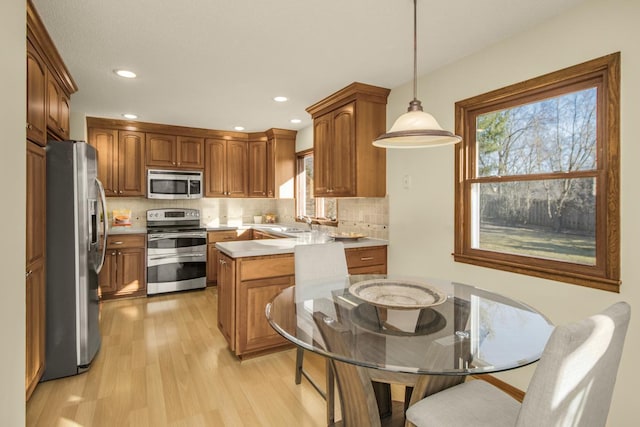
<point>75,206</point>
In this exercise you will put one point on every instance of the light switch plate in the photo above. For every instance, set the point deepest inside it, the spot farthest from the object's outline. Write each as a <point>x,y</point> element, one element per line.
<point>406,181</point>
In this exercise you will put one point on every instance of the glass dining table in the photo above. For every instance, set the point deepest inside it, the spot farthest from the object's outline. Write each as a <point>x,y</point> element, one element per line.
<point>435,331</point>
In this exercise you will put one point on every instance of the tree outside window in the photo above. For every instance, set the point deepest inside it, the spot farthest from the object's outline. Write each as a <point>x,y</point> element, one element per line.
<point>537,176</point>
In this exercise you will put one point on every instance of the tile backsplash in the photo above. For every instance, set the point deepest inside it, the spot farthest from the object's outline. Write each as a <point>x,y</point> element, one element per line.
<point>213,211</point>
<point>368,216</point>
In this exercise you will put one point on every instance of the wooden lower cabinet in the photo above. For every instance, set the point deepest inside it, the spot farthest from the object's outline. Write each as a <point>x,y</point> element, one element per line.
<point>367,260</point>
<point>254,332</point>
<point>35,325</point>
<point>227,298</point>
<point>214,237</point>
<point>246,285</point>
<point>124,271</point>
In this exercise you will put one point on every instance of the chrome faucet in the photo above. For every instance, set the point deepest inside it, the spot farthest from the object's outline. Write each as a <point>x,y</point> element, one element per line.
<point>308,220</point>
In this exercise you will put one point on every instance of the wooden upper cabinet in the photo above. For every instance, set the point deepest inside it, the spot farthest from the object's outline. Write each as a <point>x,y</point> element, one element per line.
<point>272,164</point>
<point>225,168</point>
<point>257,168</point>
<point>176,152</point>
<point>190,152</point>
<point>346,164</point>
<point>161,150</point>
<point>120,161</point>
<point>215,168</point>
<point>64,111</point>
<point>131,170</point>
<point>105,141</point>
<point>340,162</point>
<point>53,101</point>
<point>262,167</point>
<point>57,109</point>
<point>237,175</point>
<point>281,163</point>
<point>36,97</point>
<point>322,131</point>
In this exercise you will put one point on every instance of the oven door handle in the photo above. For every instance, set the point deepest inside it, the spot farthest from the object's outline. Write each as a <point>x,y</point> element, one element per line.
<point>163,236</point>
<point>176,256</point>
<point>163,260</point>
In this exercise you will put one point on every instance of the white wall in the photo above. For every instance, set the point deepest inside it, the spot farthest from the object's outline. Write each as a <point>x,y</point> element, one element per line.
<point>12,192</point>
<point>304,139</point>
<point>426,210</point>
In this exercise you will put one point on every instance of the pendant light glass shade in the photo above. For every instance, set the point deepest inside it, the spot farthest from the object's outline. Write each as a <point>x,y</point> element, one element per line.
<point>415,128</point>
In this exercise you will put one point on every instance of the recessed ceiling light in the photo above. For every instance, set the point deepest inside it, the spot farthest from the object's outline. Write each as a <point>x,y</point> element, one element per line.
<point>280,99</point>
<point>126,74</point>
<point>238,127</point>
<point>296,120</point>
<point>129,116</point>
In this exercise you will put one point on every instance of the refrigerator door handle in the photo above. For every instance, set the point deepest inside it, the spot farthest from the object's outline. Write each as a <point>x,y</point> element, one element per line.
<point>105,231</point>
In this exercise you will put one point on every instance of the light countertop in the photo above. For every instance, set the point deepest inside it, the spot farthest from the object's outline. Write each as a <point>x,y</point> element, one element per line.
<point>132,229</point>
<point>261,247</point>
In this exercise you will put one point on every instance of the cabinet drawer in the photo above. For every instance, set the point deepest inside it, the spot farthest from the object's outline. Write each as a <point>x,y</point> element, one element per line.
<point>126,241</point>
<point>265,267</point>
<point>222,236</point>
<point>365,257</point>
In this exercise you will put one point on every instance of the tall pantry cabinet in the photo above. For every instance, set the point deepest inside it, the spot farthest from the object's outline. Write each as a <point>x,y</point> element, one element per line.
<point>49,88</point>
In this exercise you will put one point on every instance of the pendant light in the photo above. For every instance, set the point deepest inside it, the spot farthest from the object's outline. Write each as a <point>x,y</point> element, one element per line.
<point>415,128</point>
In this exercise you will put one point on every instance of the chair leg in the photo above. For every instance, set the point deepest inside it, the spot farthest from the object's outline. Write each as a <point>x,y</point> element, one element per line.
<point>408,390</point>
<point>299,359</point>
<point>330,394</point>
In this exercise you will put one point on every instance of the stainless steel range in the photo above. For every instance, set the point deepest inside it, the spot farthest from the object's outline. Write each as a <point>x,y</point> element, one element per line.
<point>176,251</point>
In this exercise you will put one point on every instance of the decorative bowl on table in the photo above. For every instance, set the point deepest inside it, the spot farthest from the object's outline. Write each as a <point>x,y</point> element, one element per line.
<point>398,294</point>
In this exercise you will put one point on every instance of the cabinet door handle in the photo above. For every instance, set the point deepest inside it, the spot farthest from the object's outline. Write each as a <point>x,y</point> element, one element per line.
<point>117,243</point>
<point>28,273</point>
<point>120,191</point>
<point>113,254</point>
<point>29,126</point>
<point>366,258</point>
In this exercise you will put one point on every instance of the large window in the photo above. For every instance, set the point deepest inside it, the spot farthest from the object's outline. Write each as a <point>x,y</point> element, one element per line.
<point>323,210</point>
<point>537,176</point>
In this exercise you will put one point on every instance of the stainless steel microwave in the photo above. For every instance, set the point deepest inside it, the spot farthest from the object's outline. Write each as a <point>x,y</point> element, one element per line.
<point>173,184</point>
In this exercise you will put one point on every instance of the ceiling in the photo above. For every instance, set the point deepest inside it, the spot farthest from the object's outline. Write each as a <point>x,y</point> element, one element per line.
<point>217,64</point>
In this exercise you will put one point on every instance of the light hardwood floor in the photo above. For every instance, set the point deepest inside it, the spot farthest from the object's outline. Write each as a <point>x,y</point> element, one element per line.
<point>163,362</point>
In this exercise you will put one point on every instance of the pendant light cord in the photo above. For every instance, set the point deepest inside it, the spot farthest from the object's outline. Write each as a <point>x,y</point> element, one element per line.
<point>415,105</point>
<point>415,50</point>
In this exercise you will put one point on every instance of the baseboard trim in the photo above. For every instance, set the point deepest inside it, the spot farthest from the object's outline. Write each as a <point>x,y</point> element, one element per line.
<point>506,387</point>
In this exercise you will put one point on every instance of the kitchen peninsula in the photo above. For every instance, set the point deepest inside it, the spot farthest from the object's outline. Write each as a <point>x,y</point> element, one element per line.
<point>252,272</point>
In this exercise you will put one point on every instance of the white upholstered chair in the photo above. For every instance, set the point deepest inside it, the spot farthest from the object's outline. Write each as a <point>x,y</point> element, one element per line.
<point>571,386</point>
<point>318,268</point>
